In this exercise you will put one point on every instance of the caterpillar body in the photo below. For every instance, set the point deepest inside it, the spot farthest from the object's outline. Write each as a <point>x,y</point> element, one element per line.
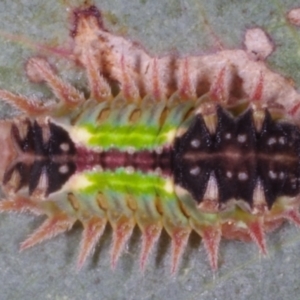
<point>219,168</point>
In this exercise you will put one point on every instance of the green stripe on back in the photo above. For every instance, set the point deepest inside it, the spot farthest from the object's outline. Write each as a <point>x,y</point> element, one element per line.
<point>136,184</point>
<point>136,136</point>
<point>155,127</point>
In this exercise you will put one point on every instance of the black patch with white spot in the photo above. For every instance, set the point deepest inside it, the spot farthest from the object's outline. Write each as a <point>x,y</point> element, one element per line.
<point>184,167</point>
<point>34,143</point>
<point>280,177</point>
<point>41,160</point>
<point>232,155</point>
<point>59,137</point>
<point>56,177</point>
<point>239,157</point>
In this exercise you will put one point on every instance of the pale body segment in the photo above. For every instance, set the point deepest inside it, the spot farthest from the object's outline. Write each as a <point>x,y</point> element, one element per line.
<point>180,163</point>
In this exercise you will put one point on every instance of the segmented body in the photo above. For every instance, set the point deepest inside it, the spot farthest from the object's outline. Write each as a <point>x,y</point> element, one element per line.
<point>177,164</point>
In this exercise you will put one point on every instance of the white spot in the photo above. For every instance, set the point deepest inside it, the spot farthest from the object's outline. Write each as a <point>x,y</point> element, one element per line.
<point>272,174</point>
<point>129,170</point>
<point>282,140</point>
<point>158,171</point>
<point>271,141</point>
<point>97,169</point>
<point>64,147</point>
<point>281,175</point>
<point>195,171</point>
<point>170,135</point>
<point>130,150</point>
<point>228,136</point>
<point>242,138</point>
<point>159,150</point>
<point>77,181</point>
<point>242,176</point>
<point>63,169</point>
<point>169,186</point>
<point>294,183</point>
<point>259,200</point>
<point>79,135</point>
<point>195,143</point>
<point>229,174</point>
<point>43,181</point>
<point>212,190</point>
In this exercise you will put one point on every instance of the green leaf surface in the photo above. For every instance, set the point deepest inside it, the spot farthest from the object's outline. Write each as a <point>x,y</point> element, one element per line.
<point>185,27</point>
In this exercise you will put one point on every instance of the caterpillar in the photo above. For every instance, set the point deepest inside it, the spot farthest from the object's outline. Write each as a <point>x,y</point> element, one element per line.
<point>155,153</point>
